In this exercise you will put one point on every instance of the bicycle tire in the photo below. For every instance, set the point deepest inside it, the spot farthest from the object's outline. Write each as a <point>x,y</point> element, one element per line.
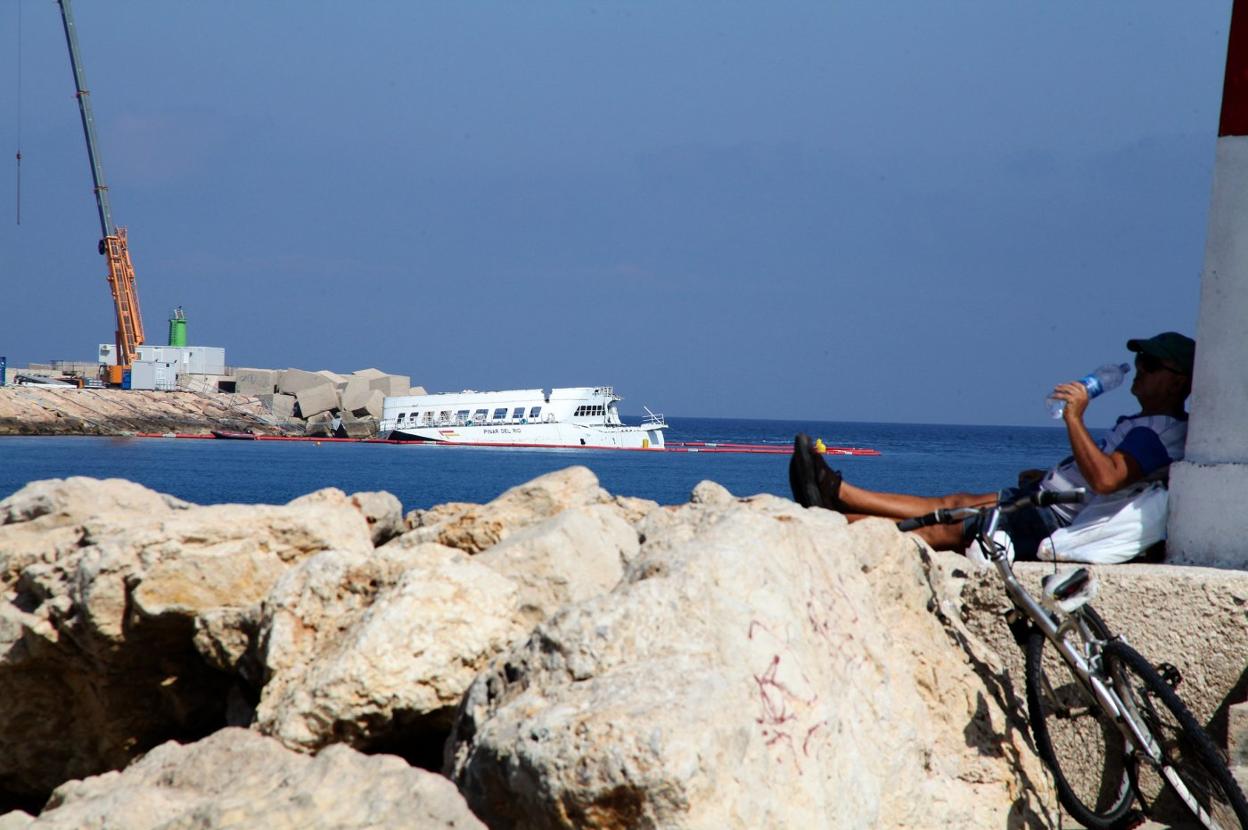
<point>1078,741</point>
<point>1192,766</point>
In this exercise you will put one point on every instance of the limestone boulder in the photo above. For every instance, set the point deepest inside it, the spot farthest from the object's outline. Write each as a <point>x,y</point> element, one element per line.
<point>100,640</point>
<point>70,500</point>
<point>474,527</point>
<point>577,554</point>
<point>759,665</point>
<point>45,519</point>
<point>236,778</point>
<point>377,650</point>
<point>382,511</point>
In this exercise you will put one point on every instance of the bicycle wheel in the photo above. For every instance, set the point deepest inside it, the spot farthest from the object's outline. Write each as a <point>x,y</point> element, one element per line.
<point>1191,786</point>
<point>1074,736</point>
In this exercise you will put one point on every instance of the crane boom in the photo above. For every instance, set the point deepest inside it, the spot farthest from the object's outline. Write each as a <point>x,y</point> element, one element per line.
<point>113,244</point>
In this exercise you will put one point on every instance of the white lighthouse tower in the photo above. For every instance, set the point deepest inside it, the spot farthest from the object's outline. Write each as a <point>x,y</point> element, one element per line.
<point>1209,489</point>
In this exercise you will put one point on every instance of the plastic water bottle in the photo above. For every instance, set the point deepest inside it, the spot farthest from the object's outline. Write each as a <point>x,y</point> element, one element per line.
<point>1102,380</point>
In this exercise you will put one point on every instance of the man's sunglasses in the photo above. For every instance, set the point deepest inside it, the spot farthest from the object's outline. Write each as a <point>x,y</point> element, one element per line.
<point>1152,363</point>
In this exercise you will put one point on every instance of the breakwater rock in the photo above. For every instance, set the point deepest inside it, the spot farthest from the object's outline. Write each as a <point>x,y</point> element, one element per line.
<point>559,657</point>
<point>48,410</point>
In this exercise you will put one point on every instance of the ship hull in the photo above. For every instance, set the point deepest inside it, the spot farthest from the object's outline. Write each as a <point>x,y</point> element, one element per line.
<point>539,435</point>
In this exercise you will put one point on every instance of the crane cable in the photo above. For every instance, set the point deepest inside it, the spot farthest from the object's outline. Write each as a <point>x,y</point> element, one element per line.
<point>19,112</point>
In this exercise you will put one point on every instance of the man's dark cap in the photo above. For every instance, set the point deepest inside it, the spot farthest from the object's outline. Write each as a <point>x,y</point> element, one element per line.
<point>1179,350</point>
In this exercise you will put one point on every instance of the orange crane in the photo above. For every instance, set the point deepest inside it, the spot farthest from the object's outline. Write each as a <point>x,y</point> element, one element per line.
<point>129,335</point>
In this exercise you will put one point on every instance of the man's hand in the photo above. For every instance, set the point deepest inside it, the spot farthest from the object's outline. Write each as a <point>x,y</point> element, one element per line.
<point>1104,473</point>
<point>1075,394</point>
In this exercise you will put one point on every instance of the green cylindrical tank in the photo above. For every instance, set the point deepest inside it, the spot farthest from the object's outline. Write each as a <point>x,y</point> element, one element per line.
<point>177,328</point>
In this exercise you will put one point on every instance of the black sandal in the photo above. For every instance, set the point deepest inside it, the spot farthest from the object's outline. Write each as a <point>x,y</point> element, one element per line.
<point>813,482</point>
<point>803,480</point>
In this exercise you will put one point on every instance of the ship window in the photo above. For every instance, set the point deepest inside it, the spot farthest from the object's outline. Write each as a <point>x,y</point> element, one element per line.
<point>500,413</point>
<point>401,414</point>
<point>517,413</point>
<point>444,415</point>
<point>535,411</point>
<point>480,414</point>
<point>429,417</point>
<point>461,415</point>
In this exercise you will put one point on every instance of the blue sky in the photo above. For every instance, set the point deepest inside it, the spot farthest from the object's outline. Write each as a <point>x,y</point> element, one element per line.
<point>834,211</point>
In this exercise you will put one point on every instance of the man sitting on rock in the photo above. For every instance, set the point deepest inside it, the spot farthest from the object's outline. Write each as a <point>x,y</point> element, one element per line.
<point>1139,447</point>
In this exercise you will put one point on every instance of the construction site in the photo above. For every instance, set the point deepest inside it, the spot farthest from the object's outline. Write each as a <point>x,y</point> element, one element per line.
<point>144,385</point>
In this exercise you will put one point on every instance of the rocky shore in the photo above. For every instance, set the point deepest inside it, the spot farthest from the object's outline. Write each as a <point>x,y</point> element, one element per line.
<point>49,410</point>
<point>557,658</point>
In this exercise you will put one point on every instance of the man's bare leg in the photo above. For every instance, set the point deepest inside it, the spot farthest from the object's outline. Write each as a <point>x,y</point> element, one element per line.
<point>863,502</point>
<point>813,481</point>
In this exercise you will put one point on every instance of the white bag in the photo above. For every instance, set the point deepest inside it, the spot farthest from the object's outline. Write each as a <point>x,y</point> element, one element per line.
<point>976,556</point>
<point>1111,529</point>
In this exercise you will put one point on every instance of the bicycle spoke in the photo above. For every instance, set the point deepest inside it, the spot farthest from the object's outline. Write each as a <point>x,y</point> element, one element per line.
<point>1189,784</point>
<point>1078,741</point>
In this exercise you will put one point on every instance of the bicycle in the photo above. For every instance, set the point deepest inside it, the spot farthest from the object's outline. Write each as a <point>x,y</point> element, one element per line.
<point>1116,731</point>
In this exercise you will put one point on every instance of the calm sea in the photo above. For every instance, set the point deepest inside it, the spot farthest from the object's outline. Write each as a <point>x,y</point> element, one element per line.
<point>916,458</point>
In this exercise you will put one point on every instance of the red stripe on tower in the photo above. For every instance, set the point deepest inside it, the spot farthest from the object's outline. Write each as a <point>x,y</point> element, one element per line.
<point>1234,119</point>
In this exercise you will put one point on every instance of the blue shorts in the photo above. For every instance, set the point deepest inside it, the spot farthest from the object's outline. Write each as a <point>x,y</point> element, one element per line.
<point>1027,527</point>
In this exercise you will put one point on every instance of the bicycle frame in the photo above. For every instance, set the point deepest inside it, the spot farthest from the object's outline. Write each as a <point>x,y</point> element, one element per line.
<point>1089,676</point>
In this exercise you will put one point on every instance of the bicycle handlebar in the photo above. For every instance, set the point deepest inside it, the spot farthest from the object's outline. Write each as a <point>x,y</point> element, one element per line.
<point>953,515</point>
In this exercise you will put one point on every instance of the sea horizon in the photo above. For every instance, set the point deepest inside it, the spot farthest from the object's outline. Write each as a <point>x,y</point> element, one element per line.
<point>915,458</point>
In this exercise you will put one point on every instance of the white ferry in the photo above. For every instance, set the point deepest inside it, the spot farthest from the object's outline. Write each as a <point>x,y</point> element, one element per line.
<point>579,416</point>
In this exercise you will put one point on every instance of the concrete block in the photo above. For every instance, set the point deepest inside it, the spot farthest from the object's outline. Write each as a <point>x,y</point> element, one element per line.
<point>353,427</point>
<point>317,399</point>
<point>368,374</point>
<point>391,385</point>
<point>294,381</point>
<point>374,405</point>
<point>355,395</point>
<point>255,381</point>
<point>416,390</point>
<point>320,426</point>
<point>282,406</point>
<point>332,377</point>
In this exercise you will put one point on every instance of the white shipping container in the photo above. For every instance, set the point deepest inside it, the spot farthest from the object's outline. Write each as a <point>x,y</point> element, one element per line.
<point>203,360</point>
<point>191,360</point>
<point>152,374</point>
